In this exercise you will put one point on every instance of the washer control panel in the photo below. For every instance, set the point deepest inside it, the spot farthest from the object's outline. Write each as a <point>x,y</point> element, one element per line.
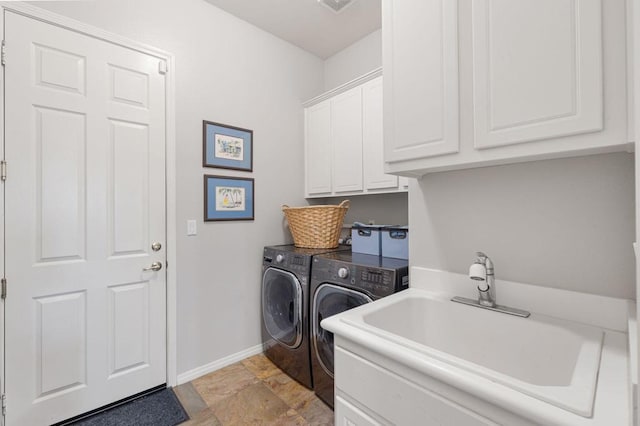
<point>375,280</point>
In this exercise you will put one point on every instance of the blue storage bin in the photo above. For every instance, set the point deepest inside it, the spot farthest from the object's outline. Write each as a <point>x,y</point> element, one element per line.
<point>366,239</point>
<point>395,242</point>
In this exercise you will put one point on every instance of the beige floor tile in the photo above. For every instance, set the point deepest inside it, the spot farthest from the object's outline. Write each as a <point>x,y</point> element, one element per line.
<point>190,399</point>
<point>290,418</point>
<point>205,417</point>
<point>291,392</point>
<point>261,366</point>
<point>223,383</point>
<point>317,413</point>
<point>252,392</point>
<point>254,405</point>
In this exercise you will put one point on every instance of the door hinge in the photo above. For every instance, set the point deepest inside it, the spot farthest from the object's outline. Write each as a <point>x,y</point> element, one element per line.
<point>4,405</point>
<point>3,292</point>
<point>3,170</point>
<point>163,68</point>
<point>3,58</point>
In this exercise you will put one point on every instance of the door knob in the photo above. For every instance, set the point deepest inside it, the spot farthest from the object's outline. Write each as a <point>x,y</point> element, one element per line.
<point>155,266</point>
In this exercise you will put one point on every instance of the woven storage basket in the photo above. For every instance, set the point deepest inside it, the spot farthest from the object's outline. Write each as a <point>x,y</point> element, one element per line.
<point>316,226</point>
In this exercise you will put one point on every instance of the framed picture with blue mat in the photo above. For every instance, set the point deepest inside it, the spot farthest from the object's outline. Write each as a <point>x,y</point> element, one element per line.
<point>228,198</point>
<point>227,147</point>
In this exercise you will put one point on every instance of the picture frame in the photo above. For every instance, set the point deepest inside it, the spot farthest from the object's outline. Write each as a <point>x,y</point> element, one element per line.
<point>227,147</point>
<point>228,198</point>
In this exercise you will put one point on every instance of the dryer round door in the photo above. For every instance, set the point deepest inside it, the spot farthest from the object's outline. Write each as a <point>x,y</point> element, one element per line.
<point>330,300</point>
<point>282,306</point>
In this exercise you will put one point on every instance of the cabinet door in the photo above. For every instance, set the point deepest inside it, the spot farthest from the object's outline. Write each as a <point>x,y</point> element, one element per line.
<point>537,70</point>
<point>348,415</point>
<point>346,137</point>
<point>372,385</point>
<point>372,144</point>
<point>403,182</point>
<point>318,148</point>
<point>420,50</point>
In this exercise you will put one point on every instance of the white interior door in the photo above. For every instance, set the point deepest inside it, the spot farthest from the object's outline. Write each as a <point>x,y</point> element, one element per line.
<point>85,201</point>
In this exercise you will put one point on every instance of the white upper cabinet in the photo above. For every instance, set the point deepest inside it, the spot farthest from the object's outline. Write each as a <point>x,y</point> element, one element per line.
<point>344,148</point>
<point>420,51</point>
<point>373,148</point>
<point>487,82</point>
<point>318,148</point>
<point>537,70</point>
<point>346,137</point>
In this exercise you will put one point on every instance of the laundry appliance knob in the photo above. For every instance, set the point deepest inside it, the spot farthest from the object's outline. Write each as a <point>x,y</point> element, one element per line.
<point>343,272</point>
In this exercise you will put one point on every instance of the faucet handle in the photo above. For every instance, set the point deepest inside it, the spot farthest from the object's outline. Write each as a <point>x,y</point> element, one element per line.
<point>481,254</point>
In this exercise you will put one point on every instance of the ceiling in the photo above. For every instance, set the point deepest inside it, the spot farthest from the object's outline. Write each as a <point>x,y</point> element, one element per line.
<point>308,24</point>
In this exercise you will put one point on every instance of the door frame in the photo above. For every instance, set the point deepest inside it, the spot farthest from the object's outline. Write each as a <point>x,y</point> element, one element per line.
<point>61,21</point>
<point>633,49</point>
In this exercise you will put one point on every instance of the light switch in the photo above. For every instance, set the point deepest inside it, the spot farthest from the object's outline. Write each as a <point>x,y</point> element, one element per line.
<point>191,227</point>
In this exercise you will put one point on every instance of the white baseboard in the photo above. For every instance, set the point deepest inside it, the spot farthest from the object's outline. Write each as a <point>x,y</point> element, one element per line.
<point>190,375</point>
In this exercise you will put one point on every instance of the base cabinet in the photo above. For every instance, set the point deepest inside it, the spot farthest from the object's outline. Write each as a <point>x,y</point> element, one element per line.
<point>369,394</point>
<point>349,415</point>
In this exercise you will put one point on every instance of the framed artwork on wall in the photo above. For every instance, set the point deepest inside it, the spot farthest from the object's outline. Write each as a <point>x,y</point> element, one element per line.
<point>228,198</point>
<point>226,147</point>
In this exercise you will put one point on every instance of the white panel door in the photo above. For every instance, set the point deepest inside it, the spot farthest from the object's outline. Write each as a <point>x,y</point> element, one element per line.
<point>420,50</point>
<point>537,69</point>
<point>346,139</point>
<point>318,148</point>
<point>85,325</point>
<point>372,143</point>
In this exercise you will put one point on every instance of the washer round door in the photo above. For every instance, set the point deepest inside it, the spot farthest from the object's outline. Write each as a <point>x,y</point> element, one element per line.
<point>282,306</point>
<point>330,300</point>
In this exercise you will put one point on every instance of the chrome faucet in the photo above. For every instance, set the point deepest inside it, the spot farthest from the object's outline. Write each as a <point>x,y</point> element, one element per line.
<point>482,271</point>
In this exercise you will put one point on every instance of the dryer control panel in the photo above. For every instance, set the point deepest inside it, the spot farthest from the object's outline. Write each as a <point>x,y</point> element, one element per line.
<point>289,261</point>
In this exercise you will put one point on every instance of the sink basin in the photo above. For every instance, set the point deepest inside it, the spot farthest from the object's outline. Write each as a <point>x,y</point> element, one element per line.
<point>552,360</point>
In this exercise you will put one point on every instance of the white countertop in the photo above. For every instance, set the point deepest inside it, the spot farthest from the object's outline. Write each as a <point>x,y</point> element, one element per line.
<point>613,399</point>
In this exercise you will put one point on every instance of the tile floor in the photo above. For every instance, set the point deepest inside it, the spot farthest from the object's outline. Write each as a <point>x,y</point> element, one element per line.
<point>251,392</point>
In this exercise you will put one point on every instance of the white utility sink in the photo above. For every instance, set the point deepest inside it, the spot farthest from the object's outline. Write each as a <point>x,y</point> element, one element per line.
<point>552,360</point>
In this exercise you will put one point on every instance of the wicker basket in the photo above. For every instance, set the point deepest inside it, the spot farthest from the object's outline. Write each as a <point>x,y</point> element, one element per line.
<point>316,226</point>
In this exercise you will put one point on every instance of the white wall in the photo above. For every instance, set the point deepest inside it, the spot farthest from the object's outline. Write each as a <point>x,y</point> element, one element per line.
<point>566,223</point>
<point>355,60</point>
<point>361,57</point>
<point>383,209</point>
<point>230,72</point>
